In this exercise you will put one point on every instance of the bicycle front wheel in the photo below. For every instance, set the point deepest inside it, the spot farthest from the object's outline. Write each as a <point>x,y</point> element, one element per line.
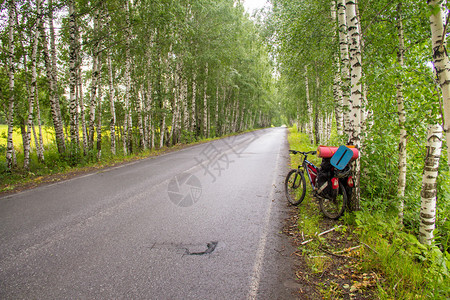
<point>334,207</point>
<point>295,187</point>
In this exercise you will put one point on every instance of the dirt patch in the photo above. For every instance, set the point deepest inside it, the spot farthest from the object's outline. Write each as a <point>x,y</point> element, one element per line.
<point>330,266</point>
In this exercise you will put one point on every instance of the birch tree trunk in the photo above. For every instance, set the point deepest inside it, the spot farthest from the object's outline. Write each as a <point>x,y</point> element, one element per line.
<point>126,135</point>
<point>11,71</point>
<point>73,103</point>
<point>148,107</point>
<point>355,72</point>
<point>162,128</point>
<point>337,92</point>
<point>356,94</point>
<point>317,119</point>
<point>40,146</point>
<point>175,109</point>
<point>429,192</point>
<point>185,104</point>
<point>345,64</point>
<point>99,113</point>
<point>441,62</point>
<point>401,118</point>
<point>193,108</point>
<point>59,129</point>
<point>142,144</point>
<point>94,80</point>
<point>33,90</point>
<point>36,143</point>
<point>205,104</point>
<point>112,123</point>
<point>52,85</point>
<point>309,124</point>
<point>79,95</point>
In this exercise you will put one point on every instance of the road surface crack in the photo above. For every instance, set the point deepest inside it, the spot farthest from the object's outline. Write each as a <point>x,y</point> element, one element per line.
<point>211,246</point>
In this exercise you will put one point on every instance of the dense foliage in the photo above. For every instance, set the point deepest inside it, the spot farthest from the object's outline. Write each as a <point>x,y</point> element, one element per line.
<point>306,34</point>
<point>141,74</point>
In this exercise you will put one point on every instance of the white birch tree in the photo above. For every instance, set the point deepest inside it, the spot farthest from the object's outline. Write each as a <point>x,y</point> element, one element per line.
<point>345,64</point>
<point>33,89</point>
<point>337,82</point>
<point>73,101</point>
<point>11,70</point>
<point>309,108</point>
<point>429,184</point>
<point>441,61</point>
<point>401,117</point>
<point>112,107</point>
<point>356,93</point>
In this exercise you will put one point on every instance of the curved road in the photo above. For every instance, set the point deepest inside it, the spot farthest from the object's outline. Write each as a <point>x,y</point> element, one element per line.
<point>200,223</point>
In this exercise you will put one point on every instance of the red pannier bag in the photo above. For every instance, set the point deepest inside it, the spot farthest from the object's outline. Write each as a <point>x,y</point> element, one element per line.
<point>327,151</point>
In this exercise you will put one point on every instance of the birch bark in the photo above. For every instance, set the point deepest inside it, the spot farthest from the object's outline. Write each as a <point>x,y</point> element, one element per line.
<point>309,124</point>
<point>401,118</point>
<point>52,86</point>
<point>193,108</point>
<point>356,94</point>
<point>337,92</point>
<point>11,71</point>
<point>59,128</point>
<point>355,73</point>
<point>73,103</point>
<point>127,123</point>
<point>139,120</point>
<point>33,85</point>
<point>40,146</point>
<point>317,119</point>
<point>345,64</point>
<point>94,80</point>
<point>79,95</point>
<point>149,112</point>
<point>99,113</point>
<point>441,62</point>
<point>112,123</point>
<point>429,192</point>
<point>205,104</point>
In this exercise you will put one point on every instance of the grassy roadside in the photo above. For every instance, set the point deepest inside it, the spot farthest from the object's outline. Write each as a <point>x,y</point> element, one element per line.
<point>328,264</point>
<point>366,256</point>
<point>57,167</point>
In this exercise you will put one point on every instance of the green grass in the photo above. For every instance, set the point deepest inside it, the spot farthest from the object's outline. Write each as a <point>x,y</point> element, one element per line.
<point>48,135</point>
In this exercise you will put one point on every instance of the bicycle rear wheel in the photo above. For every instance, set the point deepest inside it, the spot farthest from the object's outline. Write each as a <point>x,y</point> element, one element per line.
<point>334,208</point>
<point>295,187</point>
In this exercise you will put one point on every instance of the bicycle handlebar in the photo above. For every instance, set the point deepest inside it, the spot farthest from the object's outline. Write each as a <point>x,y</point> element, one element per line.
<point>304,153</point>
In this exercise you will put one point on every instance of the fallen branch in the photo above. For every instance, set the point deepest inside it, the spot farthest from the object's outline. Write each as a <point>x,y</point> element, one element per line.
<point>348,250</point>
<point>322,233</point>
<point>370,248</point>
<point>337,255</point>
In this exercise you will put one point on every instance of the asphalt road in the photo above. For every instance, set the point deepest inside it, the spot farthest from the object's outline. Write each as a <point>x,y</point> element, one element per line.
<point>200,223</point>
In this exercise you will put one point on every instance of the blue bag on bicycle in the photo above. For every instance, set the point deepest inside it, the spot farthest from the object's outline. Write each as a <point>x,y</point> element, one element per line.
<point>341,158</point>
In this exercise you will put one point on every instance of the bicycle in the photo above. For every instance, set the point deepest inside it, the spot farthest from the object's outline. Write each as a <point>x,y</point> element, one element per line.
<point>331,204</point>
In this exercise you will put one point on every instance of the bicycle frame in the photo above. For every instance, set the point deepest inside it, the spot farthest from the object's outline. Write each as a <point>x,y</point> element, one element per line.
<point>311,170</point>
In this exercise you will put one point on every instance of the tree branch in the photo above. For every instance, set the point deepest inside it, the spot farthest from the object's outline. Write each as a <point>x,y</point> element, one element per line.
<point>445,30</point>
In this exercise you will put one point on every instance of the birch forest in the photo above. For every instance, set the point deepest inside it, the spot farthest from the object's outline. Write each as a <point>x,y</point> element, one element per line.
<point>119,77</point>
